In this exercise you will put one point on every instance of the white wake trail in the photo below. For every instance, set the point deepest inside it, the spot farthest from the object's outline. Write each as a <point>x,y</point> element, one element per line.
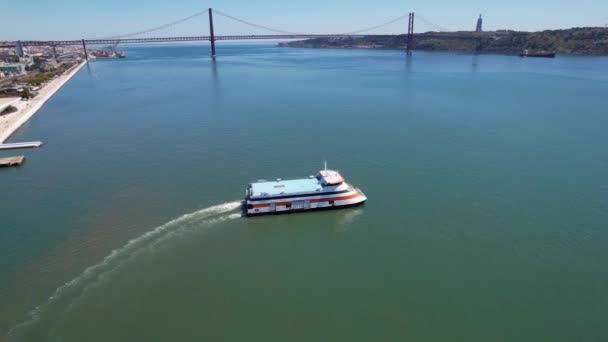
<point>207,216</point>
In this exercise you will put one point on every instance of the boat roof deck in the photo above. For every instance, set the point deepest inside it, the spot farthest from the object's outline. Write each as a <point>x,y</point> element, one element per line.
<point>285,187</point>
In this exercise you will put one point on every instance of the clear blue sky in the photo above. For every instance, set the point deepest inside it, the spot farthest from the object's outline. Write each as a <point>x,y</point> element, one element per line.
<point>70,19</point>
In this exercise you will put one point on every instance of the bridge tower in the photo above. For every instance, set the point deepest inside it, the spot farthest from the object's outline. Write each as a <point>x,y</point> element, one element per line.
<point>409,38</point>
<point>211,34</point>
<point>84,50</point>
<point>479,24</point>
<point>19,47</point>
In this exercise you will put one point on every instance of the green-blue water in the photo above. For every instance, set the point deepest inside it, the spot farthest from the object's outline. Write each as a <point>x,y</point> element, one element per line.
<point>486,220</point>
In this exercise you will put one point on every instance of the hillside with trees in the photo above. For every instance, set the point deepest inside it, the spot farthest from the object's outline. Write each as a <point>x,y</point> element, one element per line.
<point>575,41</point>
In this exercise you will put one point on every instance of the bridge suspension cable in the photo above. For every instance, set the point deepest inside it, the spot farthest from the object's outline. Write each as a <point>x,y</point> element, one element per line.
<point>431,24</point>
<point>377,26</point>
<point>267,28</point>
<point>403,16</point>
<point>256,25</point>
<point>156,28</point>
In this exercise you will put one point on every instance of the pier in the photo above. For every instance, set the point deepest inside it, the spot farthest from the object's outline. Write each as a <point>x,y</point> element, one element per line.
<point>13,146</point>
<point>12,161</point>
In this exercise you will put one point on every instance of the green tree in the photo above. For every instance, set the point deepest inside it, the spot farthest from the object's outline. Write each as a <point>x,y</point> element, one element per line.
<point>25,94</point>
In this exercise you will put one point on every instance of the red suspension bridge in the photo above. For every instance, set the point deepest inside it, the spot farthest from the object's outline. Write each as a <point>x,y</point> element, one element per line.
<point>130,38</point>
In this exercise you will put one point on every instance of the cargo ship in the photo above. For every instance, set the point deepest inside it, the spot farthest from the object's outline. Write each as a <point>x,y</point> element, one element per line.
<point>527,53</point>
<point>326,190</point>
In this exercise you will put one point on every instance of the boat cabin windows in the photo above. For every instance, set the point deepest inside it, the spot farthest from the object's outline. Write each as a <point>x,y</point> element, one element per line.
<point>330,178</point>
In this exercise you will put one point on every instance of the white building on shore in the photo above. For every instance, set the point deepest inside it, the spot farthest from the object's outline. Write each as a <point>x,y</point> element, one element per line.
<point>12,68</point>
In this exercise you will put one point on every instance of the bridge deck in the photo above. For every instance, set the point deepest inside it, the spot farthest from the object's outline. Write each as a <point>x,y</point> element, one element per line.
<point>236,37</point>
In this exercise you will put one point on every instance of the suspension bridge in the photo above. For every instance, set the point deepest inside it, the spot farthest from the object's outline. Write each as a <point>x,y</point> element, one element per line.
<point>277,34</point>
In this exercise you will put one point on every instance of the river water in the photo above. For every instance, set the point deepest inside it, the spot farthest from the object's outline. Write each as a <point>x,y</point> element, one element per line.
<point>486,220</point>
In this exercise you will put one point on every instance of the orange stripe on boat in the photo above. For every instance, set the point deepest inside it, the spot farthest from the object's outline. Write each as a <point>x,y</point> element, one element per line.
<point>345,198</point>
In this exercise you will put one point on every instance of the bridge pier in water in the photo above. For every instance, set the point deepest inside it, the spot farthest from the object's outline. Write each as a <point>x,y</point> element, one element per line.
<point>211,34</point>
<point>409,39</point>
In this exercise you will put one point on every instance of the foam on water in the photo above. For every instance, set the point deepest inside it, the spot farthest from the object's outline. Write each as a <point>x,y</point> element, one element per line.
<point>93,274</point>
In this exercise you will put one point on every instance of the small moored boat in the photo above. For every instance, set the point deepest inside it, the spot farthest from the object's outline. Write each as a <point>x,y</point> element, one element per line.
<point>527,53</point>
<point>326,190</point>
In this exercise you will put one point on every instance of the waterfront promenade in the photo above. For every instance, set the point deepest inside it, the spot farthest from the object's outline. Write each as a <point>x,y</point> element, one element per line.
<point>9,123</point>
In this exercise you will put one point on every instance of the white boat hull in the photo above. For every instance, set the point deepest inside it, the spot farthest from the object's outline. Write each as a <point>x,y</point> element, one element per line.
<point>305,203</point>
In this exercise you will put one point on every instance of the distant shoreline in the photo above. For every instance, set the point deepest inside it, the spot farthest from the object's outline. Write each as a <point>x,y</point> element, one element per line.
<point>10,123</point>
<point>427,50</point>
<point>583,41</point>
<point>402,49</point>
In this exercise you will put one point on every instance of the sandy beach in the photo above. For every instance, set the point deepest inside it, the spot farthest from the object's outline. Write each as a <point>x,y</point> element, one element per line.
<point>9,123</point>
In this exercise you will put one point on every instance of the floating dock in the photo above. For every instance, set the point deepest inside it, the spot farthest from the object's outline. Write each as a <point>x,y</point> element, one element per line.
<point>12,146</point>
<point>12,161</point>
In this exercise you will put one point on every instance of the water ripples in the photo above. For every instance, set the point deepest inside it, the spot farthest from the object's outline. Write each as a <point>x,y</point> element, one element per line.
<point>98,273</point>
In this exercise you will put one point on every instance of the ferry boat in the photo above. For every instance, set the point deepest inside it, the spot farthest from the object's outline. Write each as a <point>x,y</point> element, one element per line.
<point>326,190</point>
